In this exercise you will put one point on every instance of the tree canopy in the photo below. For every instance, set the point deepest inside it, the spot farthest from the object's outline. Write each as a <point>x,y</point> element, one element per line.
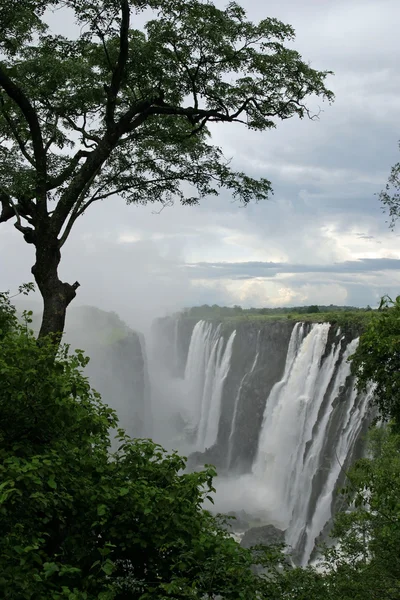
<point>120,111</point>
<point>377,359</point>
<point>390,196</point>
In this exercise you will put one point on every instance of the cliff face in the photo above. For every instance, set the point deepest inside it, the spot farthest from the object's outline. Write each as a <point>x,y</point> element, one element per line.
<point>271,404</point>
<point>117,367</point>
<point>257,363</point>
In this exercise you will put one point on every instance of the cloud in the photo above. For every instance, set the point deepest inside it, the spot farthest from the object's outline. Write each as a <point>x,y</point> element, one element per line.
<point>321,238</point>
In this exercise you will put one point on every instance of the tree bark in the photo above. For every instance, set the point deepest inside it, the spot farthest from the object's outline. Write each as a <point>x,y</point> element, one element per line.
<point>56,294</point>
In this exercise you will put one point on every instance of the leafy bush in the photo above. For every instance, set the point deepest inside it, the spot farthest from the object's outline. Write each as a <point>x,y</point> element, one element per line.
<point>377,359</point>
<point>80,523</point>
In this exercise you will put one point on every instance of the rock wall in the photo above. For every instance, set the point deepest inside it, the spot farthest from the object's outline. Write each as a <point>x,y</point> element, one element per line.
<point>290,420</point>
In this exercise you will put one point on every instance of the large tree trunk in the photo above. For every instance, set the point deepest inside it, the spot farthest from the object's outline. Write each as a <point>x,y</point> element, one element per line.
<point>56,294</point>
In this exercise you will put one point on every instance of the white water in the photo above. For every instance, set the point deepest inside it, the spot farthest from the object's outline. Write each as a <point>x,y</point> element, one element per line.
<point>302,421</point>
<point>294,430</point>
<point>206,370</point>
<point>287,426</point>
<point>353,422</point>
<point>312,462</point>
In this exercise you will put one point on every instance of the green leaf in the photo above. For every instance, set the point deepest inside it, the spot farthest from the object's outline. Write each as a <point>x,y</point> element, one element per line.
<point>108,567</point>
<point>51,482</point>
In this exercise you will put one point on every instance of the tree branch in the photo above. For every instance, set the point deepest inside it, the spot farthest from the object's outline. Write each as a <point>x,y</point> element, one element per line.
<point>116,79</point>
<point>14,131</point>
<point>75,206</point>
<point>18,96</point>
<point>53,137</point>
<point>10,210</point>
<point>68,171</point>
<point>7,211</point>
<point>85,134</point>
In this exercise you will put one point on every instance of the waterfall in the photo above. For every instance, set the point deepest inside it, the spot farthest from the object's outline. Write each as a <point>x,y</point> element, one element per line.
<point>355,415</point>
<point>295,341</point>
<point>237,400</point>
<point>292,444</point>
<point>206,370</point>
<point>311,464</point>
<point>282,425</point>
<point>288,422</point>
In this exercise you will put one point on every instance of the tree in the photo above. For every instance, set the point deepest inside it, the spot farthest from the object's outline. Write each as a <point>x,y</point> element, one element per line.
<point>365,562</point>
<point>81,523</point>
<point>377,358</point>
<point>312,309</point>
<point>120,111</point>
<point>390,196</point>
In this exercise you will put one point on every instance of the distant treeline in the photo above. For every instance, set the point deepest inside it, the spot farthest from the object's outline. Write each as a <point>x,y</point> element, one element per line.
<point>207,311</point>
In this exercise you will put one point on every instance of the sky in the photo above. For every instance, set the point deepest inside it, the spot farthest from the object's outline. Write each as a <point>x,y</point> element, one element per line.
<point>322,238</point>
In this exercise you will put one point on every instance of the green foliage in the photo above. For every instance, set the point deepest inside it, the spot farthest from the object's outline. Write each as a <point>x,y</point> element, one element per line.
<point>390,196</point>
<point>366,562</point>
<point>347,317</point>
<point>8,317</point>
<point>377,358</point>
<point>80,523</point>
<point>313,309</point>
<point>124,111</point>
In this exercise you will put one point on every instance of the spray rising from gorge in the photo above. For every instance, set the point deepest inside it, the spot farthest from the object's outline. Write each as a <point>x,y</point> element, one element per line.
<point>270,403</point>
<point>273,406</point>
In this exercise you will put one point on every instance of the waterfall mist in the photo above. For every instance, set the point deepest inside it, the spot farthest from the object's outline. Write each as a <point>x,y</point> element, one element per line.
<point>272,404</point>
<point>304,430</point>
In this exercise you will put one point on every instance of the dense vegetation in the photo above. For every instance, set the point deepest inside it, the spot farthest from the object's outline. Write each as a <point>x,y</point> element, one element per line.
<point>79,522</point>
<point>346,316</point>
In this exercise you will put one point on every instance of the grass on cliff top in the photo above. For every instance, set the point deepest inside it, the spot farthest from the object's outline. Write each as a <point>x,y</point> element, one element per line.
<point>359,318</point>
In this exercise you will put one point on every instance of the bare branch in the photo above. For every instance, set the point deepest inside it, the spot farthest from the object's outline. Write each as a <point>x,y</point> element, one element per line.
<point>24,208</point>
<point>85,134</point>
<point>12,210</point>
<point>166,205</point>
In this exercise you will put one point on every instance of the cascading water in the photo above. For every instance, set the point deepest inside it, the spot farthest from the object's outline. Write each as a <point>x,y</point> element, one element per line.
<point>289,421</point>
<point>311,464</point>
<point>207,367</point>
<point>294,431</point>
<point>309,421</point>
<point>354,420</point>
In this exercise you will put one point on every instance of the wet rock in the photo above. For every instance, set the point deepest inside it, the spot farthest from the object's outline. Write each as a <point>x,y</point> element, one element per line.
<point>267,535</point>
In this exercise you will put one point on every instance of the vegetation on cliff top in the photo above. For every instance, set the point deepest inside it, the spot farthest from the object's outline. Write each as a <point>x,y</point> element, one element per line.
<point>342,315</point>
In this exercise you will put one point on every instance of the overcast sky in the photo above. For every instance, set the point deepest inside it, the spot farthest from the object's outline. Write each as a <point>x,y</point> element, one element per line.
<point>322,238</point>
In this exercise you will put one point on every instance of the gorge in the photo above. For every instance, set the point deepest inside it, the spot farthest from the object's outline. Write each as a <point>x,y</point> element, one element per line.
<point>271,403</point>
